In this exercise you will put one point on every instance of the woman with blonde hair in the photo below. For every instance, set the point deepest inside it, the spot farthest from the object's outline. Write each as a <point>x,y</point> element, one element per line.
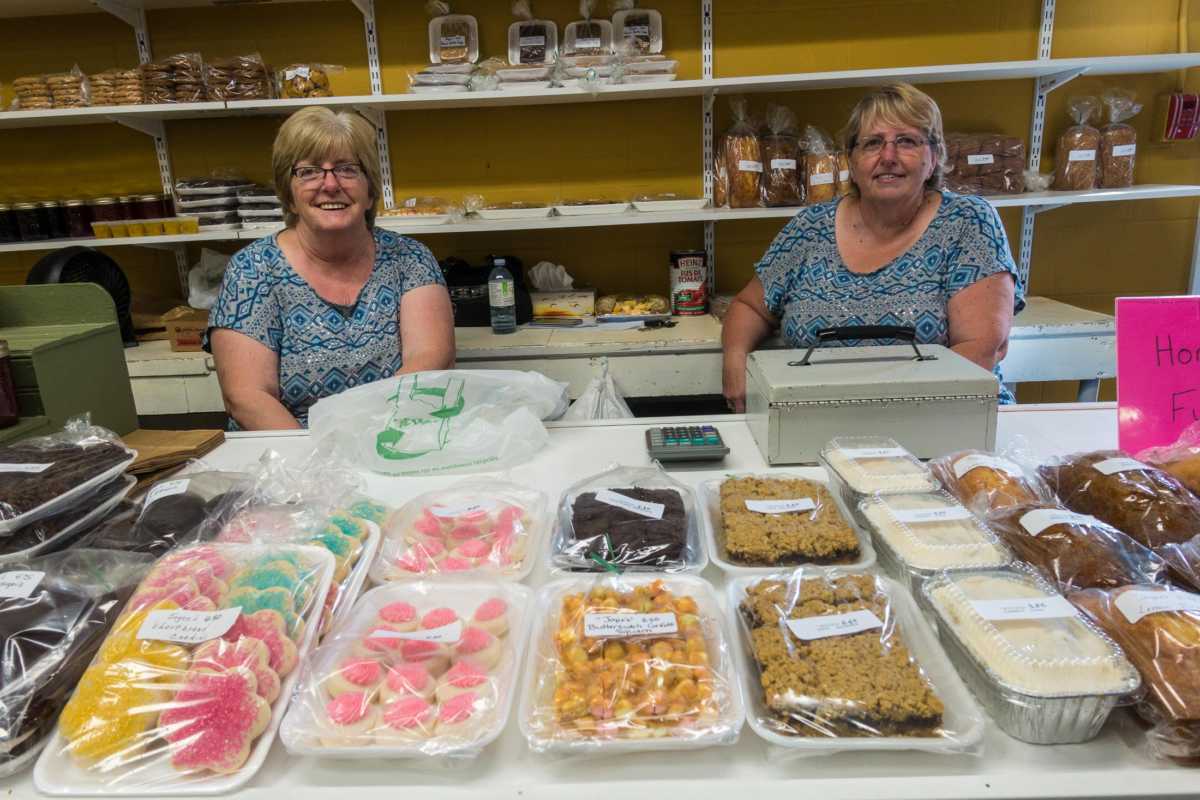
<point>331,302</point>
<point>899,250</point>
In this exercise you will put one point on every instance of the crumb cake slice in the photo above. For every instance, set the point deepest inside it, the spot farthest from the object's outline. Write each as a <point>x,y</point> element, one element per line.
<point>818,536</point>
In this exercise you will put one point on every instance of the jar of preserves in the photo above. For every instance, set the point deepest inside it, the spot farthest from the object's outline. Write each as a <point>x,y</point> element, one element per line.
<point>9,413</point>
<point>8,224</point>
<point>79,219</point>
<point>129,206</point>
<point>29,222</point>
<point>105,209</point>
<point>54,219</point>
<point>151,206</point>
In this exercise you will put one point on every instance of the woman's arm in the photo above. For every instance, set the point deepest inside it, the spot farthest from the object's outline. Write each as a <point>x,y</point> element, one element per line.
<point>980,318</point>
<point>249,375</point>
<point>426,329</point>
<point>746,324</point>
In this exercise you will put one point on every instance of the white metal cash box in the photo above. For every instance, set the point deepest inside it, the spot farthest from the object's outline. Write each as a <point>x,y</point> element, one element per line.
<point>927,397</point>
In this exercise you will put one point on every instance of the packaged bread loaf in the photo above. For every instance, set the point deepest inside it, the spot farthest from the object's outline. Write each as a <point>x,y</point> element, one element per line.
<point>1075,165</point>
<point>988,163</point>
<point>820,166</point>
<point>239,78</point>
<point>743,158</point>
<point>1118,140</point>
<point>985,481</point>
<point>841,182</point>
<point>780,144</point>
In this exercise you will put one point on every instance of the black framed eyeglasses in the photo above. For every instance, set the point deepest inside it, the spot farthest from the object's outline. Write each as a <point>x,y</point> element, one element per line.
<point>343,172</point>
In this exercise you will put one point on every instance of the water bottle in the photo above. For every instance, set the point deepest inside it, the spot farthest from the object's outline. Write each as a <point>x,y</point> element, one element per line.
<point>502,298</point>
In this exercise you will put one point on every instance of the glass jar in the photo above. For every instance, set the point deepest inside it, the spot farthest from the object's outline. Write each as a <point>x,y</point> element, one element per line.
<point>8,390</point>
<point>8,224</point>
<point>54,219</point>
<point>105,209</point>
<point>151,206</point>
<point>29,222</point>
<point>79,219</point>
<point>129,206</point>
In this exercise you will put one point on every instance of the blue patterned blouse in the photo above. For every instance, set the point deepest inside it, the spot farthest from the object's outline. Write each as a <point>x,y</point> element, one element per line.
<point>323,349</point>
<point>808,287</point>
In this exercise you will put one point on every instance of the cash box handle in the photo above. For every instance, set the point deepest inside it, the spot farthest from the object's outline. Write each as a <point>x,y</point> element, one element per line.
<point>852,332</point>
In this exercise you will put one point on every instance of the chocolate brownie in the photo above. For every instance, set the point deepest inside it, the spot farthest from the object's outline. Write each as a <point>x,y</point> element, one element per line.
<point>69,466</point>
<point>47,528</point>
<point>625,538</point>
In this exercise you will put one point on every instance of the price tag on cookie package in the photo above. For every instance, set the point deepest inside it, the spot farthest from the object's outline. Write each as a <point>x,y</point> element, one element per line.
<point>1158,369</point>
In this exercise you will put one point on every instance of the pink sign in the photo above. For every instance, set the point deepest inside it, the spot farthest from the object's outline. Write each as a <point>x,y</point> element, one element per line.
<point>1158,369</point>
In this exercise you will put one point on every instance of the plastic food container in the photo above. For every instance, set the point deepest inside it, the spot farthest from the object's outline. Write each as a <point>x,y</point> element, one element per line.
<point>588,208</point>
<point>124,484</point>
<point>810,732</point>
<point>631,519</point>
<point>669,202</point>
<point>532,41</point>
<point>178,701</point>
<point>919,535</point>
<point>641,27</point>
<point>582,711</point>
<point>1043,673</point>
<point>862,466</point>
<point>453,39</point>
<point>588,37</point>
<point>515,210</point>
<point>710,503</point>
<point>365,695</point>
<point>487,528</point>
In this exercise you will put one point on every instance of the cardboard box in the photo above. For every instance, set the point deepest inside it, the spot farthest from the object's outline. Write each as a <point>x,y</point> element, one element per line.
<point>564,303</point>
<point>185,327</point>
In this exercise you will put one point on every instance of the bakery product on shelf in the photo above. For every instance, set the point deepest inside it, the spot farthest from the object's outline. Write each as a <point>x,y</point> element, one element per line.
<point>613,534</point>
<point>927,532</point>
<point>984,481</point>
<point>815,533</point>
<point>861,684</point>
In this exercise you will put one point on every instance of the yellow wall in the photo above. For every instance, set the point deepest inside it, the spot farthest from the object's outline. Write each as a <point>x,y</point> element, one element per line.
<point>1085,255</point>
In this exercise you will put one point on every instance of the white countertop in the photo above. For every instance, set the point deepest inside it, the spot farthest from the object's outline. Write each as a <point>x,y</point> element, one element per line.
<point>1110,766</point>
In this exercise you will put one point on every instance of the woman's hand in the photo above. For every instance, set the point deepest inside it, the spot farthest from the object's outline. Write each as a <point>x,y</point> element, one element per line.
<point>746,324</point>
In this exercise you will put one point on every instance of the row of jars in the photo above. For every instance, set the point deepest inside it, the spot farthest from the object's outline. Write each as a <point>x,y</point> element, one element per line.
<point>72,219</point>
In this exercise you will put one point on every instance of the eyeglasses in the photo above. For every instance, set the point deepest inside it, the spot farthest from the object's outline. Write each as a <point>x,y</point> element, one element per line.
<point>905,144</point>
<point>343,172</point>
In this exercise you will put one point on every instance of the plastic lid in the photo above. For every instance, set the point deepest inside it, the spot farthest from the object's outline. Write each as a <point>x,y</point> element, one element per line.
<point>104,201</point>
<point>933,531</point>
<point>25,206</point>
<point>876,464</point>
<point>50,204</point>
<point>74,203</point>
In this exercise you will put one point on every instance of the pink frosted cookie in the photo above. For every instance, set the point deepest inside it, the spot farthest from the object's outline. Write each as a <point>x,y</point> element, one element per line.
<point>431,654</point>
<point>460,716</point>
<point>399,616</point>
<point>219,655</point>
<point>268,627</point>
<point>463,677</point>
<point>201,572</point>
<point>375,642</point>
<point>428,524</point>
<point>213,719</point>
<point>475,551</point>
<point>438,618</point>
<point>350,718</point>
<point>492,616</point>
<point>221,566</point>
<point>479,647</point>
<point>455,564</point>
<point>407,679</point>
<point>461,533</point>
<point>361,675</point>
<point>408,718</point>
<point>180,591</point>
<point>411,562</point>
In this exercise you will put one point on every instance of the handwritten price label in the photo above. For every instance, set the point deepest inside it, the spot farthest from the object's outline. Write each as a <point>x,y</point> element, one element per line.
<point>1137,603</point>
<point>640,507</point>
<point>834,625</point>
<point>449,512</point>
<point>1052,607</point>
<point>188,627</point>
<point>621,626</point>
<point>1035,522</point>
<point>19,583</point>
<point>447,634</point>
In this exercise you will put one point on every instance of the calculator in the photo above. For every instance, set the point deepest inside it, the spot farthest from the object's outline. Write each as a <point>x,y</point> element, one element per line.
<point>686,443</point>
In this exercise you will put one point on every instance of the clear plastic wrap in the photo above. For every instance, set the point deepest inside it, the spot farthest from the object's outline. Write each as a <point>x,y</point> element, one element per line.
<point>919,535</point>
<point>843,183</point>
<point>1118,139</point>
<point>1075,164</point>
<point>841,660</point>
<point>631,305</point>
<point>1180,458</point>
<point>117,87</point>
<point>453,38</point>
<point>588,36</point>
<point>31,93</point>
<point>70,89</point>
<point>54,613</point>
<point>1075,551</point>
<point>984,163</point>
<point>759,523</point>
<point>1142,501</point>
<point>619,664</point>
<point>478,527</point>
<point>65,527</point>
<point>821,167</point>
<point>1159,629</point>
<point>987,481</point>
<point>176,79</point>
<point>186,692</point>
<point>239,78</point>
<point>638,29</point>
<point>210,189</point>
<point>743,158</point>
<point>1043,673</point>
<point>306,80</point>
<point>45,474</point>
<point>531,41</point>
<point>721,177</point>
<point>419,670</point>
<point>780,145</point>
<point>628,519</point>
<point>861,466</point>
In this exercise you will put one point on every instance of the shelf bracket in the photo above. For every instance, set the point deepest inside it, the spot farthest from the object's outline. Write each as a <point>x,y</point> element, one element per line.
<point>1042,209</point>
<point>150,127</point>
<point>1048,83</point>
<point>133,14</point>
<point>1037,130</point>
<point>379,119</point>
<point>709,137</point>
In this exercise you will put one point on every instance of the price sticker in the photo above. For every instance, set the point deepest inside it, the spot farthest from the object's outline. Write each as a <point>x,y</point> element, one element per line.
<point>1052,607</point>
<point>834,625</point>
<point>449,512</point>
<point>621,626</point>
<point>447,634</point>
<point>781,506</point>
<point>640,507</point>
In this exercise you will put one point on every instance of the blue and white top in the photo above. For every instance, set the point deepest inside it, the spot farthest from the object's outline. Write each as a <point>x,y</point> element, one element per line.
<point>323,348</point>
<point>808,287</point>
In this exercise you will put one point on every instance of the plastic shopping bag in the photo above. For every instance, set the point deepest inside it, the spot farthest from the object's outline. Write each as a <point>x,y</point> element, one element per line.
<point>442,421</point>
<point>600,400</point>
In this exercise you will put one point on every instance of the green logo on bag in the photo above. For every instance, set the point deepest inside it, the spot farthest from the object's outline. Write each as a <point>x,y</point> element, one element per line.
<point>444,403</point>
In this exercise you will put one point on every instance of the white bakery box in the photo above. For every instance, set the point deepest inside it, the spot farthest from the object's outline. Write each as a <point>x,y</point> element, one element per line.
<point>927,397</point>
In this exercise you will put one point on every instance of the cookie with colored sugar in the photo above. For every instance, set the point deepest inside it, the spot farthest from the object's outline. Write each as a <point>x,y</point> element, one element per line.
<point>221,565</point>
<point>461,678</point>
<point>377,642</point>
<point>476,551</point>
<point>355,674</point>
<point>269,628</point>
<point>399,616</point>
<point>213,720</point>
<point>407,679</point>
<point>460,716</point>
<point>407,719</point>
<point>431,655</point>
<point>438,618</point>
<point>479,647</point>
<point>111,712</point>
<point>218,655</point>
<point>180,591</point>
<point>343,547</point>
<point>155,659</point>
<point>455,564</point>
<point>429,525</point>
<point>411,562</point>
<point>275,599</point>
<point>368,510</point>
<point>201,572</point>
<point>349,526</point>
<point>492,616</point>
<point>277,575</point>
<point>350,719</point>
